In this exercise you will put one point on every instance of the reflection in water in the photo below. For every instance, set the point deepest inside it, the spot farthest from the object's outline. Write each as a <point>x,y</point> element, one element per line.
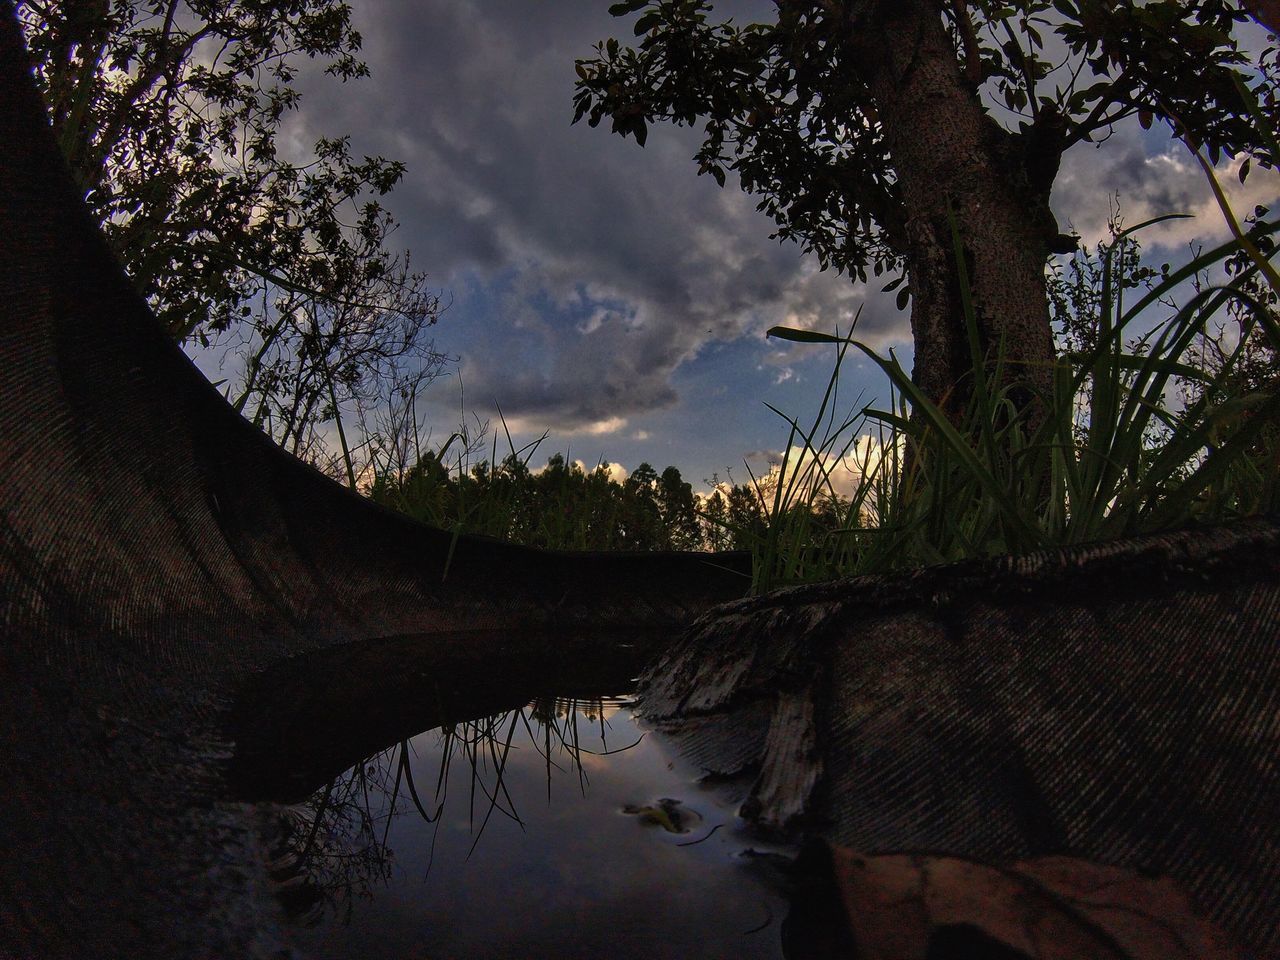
<point>335,845</point>
<point>559,827</point>
<point>331,848</point>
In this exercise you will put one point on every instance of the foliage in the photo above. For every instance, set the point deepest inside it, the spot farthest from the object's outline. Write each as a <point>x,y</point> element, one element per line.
<point>1237,352</point>
<point>864,126</point>
<point>786,104</point>
<point>802,525</point>
<point>1076,284</point>
<point>317,358</point>
<point>173,116</point>
<point>561,506</point>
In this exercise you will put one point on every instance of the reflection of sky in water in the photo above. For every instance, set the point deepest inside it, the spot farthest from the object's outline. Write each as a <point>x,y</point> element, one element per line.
<point>576,877</point>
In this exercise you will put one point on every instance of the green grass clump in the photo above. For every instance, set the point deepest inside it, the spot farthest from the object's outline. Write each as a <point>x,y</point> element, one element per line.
<point>1136,437</point>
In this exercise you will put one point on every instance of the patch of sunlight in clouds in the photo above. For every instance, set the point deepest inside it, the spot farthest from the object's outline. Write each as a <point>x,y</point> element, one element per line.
<point>602,427</point>
<point>845,471</point>
<point>1165,183</point>
<point>536,424</point>
<point>615,471</point>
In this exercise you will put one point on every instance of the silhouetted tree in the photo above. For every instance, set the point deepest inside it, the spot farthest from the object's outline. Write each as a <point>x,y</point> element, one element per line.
<point>641,519</point>
<point>679,512</point>
<point>869,127</point>
<point>715,519</point>
<point>168,113</point>
<point>746,517</point>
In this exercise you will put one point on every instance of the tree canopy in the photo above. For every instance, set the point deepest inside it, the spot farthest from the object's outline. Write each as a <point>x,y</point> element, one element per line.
<point>869,128</point>
<point>564,506</point>
<point>172,115</point>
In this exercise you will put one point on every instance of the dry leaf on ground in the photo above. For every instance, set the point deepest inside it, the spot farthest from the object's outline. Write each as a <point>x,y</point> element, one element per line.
<point>923,907</point>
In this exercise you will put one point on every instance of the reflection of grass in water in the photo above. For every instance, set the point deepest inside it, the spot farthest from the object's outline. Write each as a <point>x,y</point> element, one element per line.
<point>332,853</point>
<point>336,843</point>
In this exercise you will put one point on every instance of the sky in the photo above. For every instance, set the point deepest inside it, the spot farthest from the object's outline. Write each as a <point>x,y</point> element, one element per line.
<point>606,293</point>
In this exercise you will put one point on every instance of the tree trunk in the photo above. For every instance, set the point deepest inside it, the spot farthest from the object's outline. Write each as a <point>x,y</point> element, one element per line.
<point>947,151</point>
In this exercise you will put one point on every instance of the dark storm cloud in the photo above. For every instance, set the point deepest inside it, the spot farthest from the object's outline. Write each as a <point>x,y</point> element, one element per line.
<point>616,265</point>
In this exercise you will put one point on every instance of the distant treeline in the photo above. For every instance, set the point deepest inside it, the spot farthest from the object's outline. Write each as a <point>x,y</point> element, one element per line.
<point>563,506</point>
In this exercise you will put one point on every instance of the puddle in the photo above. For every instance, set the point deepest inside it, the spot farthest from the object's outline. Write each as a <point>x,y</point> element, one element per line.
<point>561,827</point>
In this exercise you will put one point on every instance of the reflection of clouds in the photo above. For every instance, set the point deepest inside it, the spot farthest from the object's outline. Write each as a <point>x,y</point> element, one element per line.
<point>575,874</point>
<point>340,839</point>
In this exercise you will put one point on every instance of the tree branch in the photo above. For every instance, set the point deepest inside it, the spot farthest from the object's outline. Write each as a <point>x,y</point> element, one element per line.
<point>1097,116</point>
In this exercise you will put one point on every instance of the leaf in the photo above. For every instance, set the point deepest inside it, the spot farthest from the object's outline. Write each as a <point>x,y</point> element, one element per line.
<point>647,23</point>
<point>802,336</point>
<point>629,6</point>
<point>903,906</point>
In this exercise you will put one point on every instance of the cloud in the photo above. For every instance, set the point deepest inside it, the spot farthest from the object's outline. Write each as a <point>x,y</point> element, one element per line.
<point>842,472</point>
<point>599,427</point>
<point>1152,178</point>
<point>617,266</point>
<point>587,273</point>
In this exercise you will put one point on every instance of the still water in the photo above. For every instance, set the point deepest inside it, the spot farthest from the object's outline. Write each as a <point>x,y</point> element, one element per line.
<point>563,828</point>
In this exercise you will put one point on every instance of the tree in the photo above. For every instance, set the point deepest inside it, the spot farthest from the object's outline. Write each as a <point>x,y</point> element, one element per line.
<point>870,129</point>
<point>641,518</point>
<point>168,113</point>
<point>715,521</point>
<point>679,511</point>
<point>747,518</point>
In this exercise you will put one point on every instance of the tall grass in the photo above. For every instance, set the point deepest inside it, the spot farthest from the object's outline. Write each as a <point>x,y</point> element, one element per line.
<point>1111,452</point>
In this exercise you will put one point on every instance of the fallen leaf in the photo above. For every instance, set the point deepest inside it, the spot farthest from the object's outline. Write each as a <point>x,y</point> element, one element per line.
<point>926,907</point>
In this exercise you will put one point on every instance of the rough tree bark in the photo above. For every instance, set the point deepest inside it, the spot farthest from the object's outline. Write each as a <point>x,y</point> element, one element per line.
<point>948,152</point>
